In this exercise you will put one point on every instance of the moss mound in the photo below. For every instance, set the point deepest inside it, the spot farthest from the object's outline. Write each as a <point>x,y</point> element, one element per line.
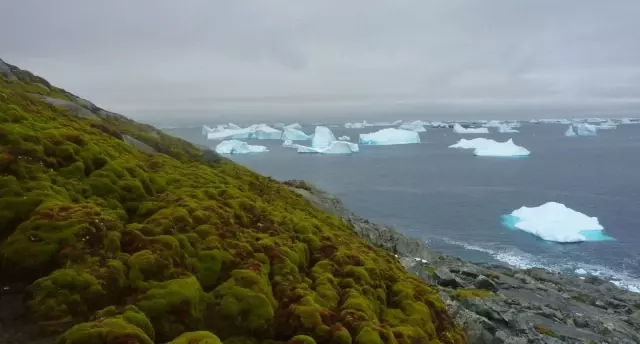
<point>180,245</point>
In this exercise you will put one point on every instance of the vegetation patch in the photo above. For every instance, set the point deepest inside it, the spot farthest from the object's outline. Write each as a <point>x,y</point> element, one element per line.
<point>182,246</point>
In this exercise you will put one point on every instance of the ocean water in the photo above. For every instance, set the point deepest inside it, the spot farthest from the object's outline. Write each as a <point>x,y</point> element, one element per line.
<point>456,201</point>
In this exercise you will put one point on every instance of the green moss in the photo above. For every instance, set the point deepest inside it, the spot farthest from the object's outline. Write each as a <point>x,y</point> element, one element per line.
<point>174,306</point>
<point>545,331</point>
<point>464,294</point>
<point>301,339</point>
<point>210,266</point>
<point>368,336</point>
<point>195,241</point>
<point>111,329</point>
<point>198,337</point>
<point>244,303</point>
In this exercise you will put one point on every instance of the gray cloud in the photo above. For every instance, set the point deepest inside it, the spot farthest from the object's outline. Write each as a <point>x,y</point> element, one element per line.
<point>265,59</point>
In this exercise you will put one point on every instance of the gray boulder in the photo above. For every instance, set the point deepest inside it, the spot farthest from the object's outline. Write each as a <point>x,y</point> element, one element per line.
<point>484,283</point>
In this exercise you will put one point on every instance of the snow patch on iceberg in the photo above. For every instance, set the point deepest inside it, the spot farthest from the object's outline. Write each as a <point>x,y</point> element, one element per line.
<point>488,147</point>
<point>457,128</point>
<point>555,222</point>
<point>390,136</point>
<point>344,138</point>
<point>570,132</point>
<point>238,147</point>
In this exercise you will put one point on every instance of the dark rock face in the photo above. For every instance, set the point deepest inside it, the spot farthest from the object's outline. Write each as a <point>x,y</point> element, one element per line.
<point>506,305</point>
<point>5,70</point>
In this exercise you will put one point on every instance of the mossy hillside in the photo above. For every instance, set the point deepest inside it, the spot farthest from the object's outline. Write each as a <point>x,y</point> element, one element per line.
<point>122,245</point>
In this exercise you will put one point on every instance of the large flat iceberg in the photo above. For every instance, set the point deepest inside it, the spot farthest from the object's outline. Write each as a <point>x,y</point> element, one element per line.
<point>555,222</point>
<point>417,126</point>
<point>335,147</point>
<point>487,147</point>
<point>457,128</point>
<point>294,135</point>
<point>238,147</point>
<point>390,136</point>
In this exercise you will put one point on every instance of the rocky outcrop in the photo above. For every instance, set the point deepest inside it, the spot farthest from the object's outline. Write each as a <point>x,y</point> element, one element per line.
<point>137,144</point>
<point>5,70</point>
<point>499,304</point>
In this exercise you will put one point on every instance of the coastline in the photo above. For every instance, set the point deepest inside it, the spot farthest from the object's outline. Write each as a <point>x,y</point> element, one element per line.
<point>499,303</point>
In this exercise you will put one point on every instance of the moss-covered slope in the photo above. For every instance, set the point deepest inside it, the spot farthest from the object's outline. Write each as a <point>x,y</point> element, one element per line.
<point>121,246</point>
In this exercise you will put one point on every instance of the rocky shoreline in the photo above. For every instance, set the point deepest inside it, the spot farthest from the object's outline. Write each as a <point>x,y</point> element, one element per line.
<point>499,304</point>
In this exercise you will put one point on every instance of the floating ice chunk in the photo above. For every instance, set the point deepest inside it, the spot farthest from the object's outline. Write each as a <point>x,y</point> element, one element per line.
<point>288,143</point>
<point>229,133</point>
<point>390,136</point>
<point>322,138</point>
<point>505,128</point>
<point>265,132</point>
<point>457,128</point>
<point>294,135</point>
<point>472,144</point>
<point>492,124</point>
<point>354,125</point>
<point>417,126</point>
<point>570,131</point>
<point>585,129</point>
<point>238,147</point>
<point>507,148</point>
<point>439,125</point>
<point>293,126</point>
<point>336,147</point>
<point>555,222</point>
<point>606,125</point>
<point>344,138</point>
<point>487,147</point>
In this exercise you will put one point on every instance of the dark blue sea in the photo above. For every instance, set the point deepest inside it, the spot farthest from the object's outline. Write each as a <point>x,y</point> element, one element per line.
<point>454,200</point>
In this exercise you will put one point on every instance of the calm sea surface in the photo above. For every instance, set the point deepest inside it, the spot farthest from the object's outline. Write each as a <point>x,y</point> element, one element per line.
<point>455,200</point>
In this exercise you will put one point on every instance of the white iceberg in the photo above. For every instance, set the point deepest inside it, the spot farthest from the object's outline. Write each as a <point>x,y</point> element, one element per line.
<point>256,131</point>
<point>238,147</point>
<point>585,129</point>
<point>457,128</point>
<point>501,149</point>
<point>355,125</point>
<point>417,126</point>
<point>487,147</point>
<point>293,126</point>
<point>555,222</point>
<point>335,147</point>
<point>322,138</point>
<point>344,138</point>
<point>229,133</point>
<point>570,131</point>
<point>439,125</point>
<point>492,124</point>
<point>288,143</point>
<point>265,132</point>
<point>233,126</point>
<point>390,136</point>
<point>606,125</point>
<point>472,144</point>
<point>294,135</point>
<point>505,128</point>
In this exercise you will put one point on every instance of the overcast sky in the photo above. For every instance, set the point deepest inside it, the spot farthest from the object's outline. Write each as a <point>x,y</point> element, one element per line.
<point>267,59</point>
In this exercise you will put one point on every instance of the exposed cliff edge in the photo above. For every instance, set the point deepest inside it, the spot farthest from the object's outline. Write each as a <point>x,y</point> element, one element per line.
<point>497,304</point>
